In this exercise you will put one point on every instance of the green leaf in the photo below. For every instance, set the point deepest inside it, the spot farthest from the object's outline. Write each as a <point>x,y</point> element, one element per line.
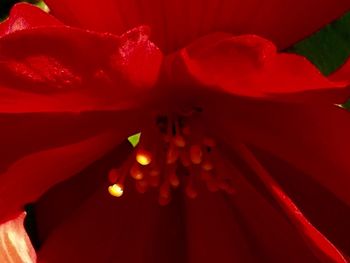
<point>134,139</point>
<point>329,48</point>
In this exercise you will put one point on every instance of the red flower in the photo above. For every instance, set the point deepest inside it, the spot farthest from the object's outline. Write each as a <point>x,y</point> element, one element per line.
<point>219,112</point>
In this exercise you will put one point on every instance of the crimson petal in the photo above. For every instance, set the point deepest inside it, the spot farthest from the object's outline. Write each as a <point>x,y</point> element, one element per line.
<point>312,198</point>
<point>270,235</point>
<point>250,66</point>
<point>65,69</point>
<point>131,229</point>
<point>189,233</point>
<point>24,16</point>
<point>214,233</point>
<point>314,139</point>
<point>56,205</point>
<point>55,87</point>
<point>284,22</point>
<point>321,246</point>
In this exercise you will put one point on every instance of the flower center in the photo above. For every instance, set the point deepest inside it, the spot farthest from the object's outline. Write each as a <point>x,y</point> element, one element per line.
<point>173,151</point>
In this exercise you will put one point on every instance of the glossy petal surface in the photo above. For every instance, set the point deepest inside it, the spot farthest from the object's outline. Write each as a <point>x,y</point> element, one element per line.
<point>55,89</point>
<point>25,16</point>
<point>284,22</point>
<point>59,69</point>
<point>249,66</point>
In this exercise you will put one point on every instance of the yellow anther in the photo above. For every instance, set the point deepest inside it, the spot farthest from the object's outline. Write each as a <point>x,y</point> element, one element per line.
<point>116,190</point>
<point>144,157</point>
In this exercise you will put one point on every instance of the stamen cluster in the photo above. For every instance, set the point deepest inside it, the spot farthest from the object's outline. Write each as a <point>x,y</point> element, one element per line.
<point>172,152</point>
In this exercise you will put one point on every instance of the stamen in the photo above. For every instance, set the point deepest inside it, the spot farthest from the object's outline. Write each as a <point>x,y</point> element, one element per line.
<point>143,157</point>
<point>116,190</point>
<point>169,153</point>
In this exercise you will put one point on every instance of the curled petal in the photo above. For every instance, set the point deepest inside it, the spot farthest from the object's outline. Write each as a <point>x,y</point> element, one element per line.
<point>65,69</point>
<point>24,16</point>
<point>250,66</point>
<point>56,84</point>
<point>284,22</point>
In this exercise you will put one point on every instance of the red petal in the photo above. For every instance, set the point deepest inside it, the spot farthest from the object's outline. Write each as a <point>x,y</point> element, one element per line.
<point>29,177</point>
<point>15,246</point>
<point>312,138</point>
<point>322,247</point>
<point>50,77</point>
<point>69,195</point>
<point>284,22</point>
<point>270,235</point>
<point>131,229</point>
<point>116,232</point>
<point>25,16</point>
<point>326,212</point>
<point>250,66</point>
<point>63,69</point>
<point>214,233</point>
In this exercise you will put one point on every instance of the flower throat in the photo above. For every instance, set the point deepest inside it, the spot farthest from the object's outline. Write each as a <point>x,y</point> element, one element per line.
<point>172,152</point>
